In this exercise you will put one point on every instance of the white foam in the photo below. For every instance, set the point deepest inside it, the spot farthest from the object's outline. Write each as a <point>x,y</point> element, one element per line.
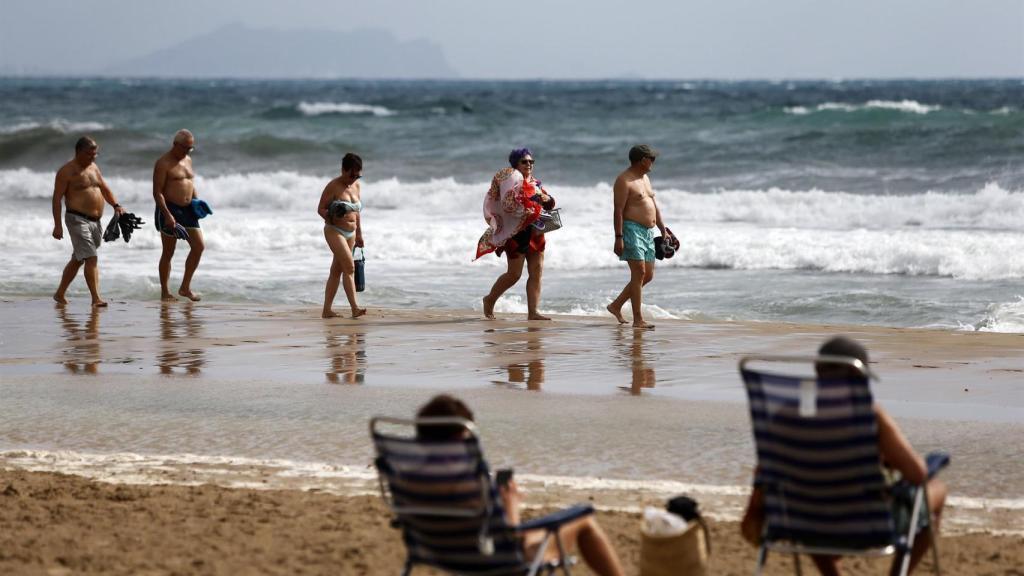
<point>265,227</point>
<point>321,108</point>
<point>257,473</point>
<point>909,106</point>
<point>59,124</point>
<point>1002,317</point>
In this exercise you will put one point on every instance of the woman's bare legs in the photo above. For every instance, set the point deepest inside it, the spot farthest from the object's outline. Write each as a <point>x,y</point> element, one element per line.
<point>586,535</point>
<point>503,283</point>
<point>342,269</point>
<point>535,269</point>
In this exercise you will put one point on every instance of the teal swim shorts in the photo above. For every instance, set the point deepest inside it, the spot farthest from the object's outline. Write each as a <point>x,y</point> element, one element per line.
<point>637,242</point>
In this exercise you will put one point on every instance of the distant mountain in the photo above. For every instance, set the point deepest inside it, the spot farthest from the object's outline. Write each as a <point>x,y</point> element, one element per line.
<point>236,51</point>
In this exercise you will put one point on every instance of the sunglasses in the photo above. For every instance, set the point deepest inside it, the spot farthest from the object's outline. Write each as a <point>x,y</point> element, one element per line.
<point>525,161</point>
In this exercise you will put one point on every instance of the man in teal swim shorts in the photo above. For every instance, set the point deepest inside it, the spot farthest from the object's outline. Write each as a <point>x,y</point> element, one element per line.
<point>635,217</point>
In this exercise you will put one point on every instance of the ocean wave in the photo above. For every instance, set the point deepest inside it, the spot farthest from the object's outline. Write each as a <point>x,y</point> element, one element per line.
<point>909,106</point>
<point>1002,317</point>
<point>977,236</point>
<point>991,208</point>
<point>322,108</point>
<point>59,125</point>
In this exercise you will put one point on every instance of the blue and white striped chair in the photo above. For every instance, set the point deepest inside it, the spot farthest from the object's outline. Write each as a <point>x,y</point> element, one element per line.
<point>447,506</point>
<point>819,467</point>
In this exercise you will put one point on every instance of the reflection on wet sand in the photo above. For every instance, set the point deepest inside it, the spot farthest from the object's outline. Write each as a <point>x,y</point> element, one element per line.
<point>631,342</point>
<point>347,358</point>
<point>530,372</point>
<point>82,355</point>
<point>178,328</point>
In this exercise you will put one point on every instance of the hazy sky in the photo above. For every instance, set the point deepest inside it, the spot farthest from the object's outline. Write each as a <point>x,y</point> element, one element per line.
<point>565,39</point>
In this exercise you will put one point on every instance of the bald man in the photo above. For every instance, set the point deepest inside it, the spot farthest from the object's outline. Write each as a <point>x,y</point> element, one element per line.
<point>174,191</point>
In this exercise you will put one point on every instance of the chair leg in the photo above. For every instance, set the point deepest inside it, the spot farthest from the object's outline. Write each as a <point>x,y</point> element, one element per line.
<point>762,557</point>
<point>563,560</point>
<point>796,565</point>
<point>920,498</point>
<point>538,559</point>
<point>934,538</point>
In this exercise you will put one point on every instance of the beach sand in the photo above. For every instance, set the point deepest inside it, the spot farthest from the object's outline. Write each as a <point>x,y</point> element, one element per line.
<point>215,399</point>
<point>53,524</point>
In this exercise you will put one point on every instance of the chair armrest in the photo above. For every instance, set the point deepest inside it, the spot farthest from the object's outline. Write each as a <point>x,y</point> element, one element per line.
<point>936,461</point>
<point>556,519</point>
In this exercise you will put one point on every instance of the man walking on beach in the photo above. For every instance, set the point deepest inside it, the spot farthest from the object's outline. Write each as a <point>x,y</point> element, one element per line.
<point>174,191</point>
<point>635,216</point>
<point>81,185</point>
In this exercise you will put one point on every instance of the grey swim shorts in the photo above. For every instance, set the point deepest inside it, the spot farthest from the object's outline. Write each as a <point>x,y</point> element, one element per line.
<point>86,235</point>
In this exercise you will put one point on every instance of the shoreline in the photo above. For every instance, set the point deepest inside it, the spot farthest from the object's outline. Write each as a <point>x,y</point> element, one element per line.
<point>212,530</point>
<point>272,396</point>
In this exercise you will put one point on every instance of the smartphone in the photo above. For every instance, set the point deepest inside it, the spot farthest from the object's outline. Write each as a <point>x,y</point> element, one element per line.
<point>503,477</point>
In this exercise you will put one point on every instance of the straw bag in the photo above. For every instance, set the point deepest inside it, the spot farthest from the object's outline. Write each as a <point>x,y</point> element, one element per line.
<point>680,554</point>
<point>685,554</point>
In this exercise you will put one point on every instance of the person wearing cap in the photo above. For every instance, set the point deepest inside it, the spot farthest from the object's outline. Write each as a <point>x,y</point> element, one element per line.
<point>896,452</point>
<point>634,218</point>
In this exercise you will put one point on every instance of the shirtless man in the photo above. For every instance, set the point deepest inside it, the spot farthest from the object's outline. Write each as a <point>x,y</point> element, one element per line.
<point>174,191</point>
<point>84,191</point>
<point>636,214</point>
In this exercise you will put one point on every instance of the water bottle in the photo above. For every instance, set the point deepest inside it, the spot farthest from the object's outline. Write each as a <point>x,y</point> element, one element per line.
<point>360,275</point>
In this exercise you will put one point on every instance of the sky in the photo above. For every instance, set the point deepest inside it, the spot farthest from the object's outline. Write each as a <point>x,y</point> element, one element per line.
<point>562,39</point>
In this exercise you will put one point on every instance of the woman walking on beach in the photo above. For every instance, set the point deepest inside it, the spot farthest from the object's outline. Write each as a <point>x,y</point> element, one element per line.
<point>341,207</point>
<point>512,206</point>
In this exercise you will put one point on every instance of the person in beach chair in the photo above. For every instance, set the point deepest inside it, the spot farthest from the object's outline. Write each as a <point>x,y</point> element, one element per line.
<point>835,476</point>
<point>454,517</point>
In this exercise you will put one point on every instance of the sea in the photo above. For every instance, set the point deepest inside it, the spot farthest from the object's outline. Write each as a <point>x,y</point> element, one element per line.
<point>894,203</point>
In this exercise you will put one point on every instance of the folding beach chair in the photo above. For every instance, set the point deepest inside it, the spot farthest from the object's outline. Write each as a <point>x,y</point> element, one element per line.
<point>819,468</point>
<point>448,508</point>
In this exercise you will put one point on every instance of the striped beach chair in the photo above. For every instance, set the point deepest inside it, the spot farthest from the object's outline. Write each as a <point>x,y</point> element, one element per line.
<point>819,467</point>
<point>443,499</point>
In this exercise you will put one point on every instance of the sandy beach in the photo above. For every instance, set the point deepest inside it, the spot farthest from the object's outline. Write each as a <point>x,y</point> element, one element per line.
<point>56,524</point>
<point>231,438</point>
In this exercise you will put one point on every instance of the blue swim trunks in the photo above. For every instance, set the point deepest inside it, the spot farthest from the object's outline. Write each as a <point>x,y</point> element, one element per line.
<point>184,215</point>
<point>637,242</point>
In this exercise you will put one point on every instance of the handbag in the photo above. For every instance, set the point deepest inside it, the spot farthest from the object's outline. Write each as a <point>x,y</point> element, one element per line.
<point>550,220</point>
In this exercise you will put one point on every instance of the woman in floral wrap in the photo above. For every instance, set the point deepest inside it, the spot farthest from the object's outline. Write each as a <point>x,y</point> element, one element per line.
<point>512,206</point>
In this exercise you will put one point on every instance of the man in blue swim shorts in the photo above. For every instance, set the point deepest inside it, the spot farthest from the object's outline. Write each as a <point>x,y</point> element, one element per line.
<point>635,217</point>
<point>174,190</point>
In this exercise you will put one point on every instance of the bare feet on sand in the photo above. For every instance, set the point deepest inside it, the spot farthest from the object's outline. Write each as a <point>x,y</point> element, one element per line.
<point>60,300</point>
<point>357,312</point>
<point>536,316</point>
<point>329,314</point>
<point>617,312</point>
<point>488,308</point>
<point>641,325</point>
<point>99,304</point>
<point>168,297</point>
<point>190,295</point>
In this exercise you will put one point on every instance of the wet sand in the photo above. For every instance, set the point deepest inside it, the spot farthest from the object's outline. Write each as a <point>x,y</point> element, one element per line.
<point>53,524</point>
<point>274,397</point>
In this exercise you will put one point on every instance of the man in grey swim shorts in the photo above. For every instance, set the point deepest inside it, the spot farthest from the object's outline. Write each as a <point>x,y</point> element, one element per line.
<point>80,184</point>
<point>636,214</point>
